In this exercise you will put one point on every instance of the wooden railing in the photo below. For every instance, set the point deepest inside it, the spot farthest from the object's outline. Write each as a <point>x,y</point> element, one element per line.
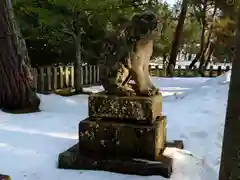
<point>53,78</point>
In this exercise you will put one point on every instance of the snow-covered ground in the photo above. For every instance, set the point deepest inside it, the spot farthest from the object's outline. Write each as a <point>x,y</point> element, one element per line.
<point>195,108</point>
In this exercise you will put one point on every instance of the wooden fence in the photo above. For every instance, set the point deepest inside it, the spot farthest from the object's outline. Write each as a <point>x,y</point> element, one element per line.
<point>184,71</point>
<point>53,78</point>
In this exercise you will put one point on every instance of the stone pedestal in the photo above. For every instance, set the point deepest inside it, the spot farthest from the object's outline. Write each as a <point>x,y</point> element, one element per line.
<point>122,134</point>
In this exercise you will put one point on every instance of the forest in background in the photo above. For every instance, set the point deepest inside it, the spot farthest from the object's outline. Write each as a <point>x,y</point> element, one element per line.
<point>53,29</point>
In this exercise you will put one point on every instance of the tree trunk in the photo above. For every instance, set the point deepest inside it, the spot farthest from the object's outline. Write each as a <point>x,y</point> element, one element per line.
<point>16,93</point>
<point>164,64</point>
<point>177,38</point>
<point>199,54</point>
<point>209,47</point>
<point>204,24</point>
<point>209,54</point>
<point>229,168</point>
<point>78,64</point>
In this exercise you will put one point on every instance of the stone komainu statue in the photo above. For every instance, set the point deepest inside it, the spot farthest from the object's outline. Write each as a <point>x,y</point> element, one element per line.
<point>126,56</point>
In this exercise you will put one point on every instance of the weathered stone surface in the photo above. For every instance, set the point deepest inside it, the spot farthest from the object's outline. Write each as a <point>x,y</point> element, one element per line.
<point>123,139</point>
<point>137,108</point>
<point>72,159</point>
<point>4,177</point>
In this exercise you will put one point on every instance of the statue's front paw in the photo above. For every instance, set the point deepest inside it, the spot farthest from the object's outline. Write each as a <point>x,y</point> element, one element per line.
<point>153,91</point>
<point>128,93</point>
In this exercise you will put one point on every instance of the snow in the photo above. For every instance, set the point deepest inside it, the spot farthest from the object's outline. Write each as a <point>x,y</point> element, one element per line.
<point>195,109</point>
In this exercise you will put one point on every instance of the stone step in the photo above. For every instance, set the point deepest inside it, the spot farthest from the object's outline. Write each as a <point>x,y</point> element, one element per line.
<point>72,159</point>
<point>138,108</point>
<point>123,139</point>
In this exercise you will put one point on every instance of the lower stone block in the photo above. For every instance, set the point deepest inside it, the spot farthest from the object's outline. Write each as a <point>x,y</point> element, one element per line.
<point>4,177</point>
<point>71,159</point>
<point>123,139</point>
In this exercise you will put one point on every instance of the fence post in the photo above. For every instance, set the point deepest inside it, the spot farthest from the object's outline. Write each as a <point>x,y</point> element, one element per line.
<point>90,75</point>
<point>179,71</point>
<point>227,68</point>
<point>67,76</point>
<point>42,80</point>
<point>35,78</point>
<point>61,74</point>
<point>211,71</point>
<point>49,79</point>
<point>157,71</point>
<point>55,78</point>
<point>150,69</point>
<point>98,76</point>
<point>219,71</point>
<point>86,74</point>
<point>81,74</point>
<point>186,71</point>
<point>72,76</point>
<point>94,75</point>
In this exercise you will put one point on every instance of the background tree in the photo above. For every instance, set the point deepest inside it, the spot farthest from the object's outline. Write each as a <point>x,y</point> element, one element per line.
<point>50,40</point>
<point>204,12</point>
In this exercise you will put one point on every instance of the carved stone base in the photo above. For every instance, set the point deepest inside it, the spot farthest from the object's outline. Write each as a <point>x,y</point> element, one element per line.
<point>72,159</point>
<point>138,108</point>
<point>123,139</point>
<point>4,177</point>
